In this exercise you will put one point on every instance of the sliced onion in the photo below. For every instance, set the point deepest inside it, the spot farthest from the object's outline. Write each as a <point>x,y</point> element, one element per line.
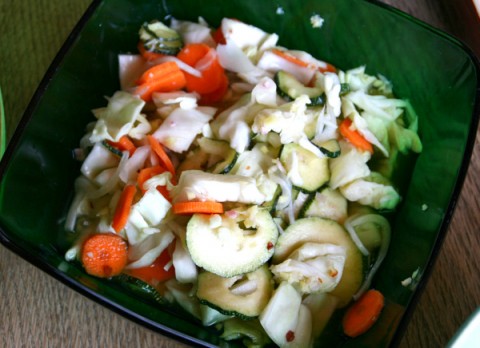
<point>272,62</point>
<point>82,186</point>
<point>184,66</point>
<point>232,58</point>
<point>279,177</point>
<point>350,227</point>
<point>110,185</point>
<point>207,60</point>
<point>145,252</point>
<point>382,252</point>
<point>134,163</point>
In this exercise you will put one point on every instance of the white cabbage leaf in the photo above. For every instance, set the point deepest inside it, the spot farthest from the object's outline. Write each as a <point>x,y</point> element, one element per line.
<point>117,118</point>
<point>373,190</point>
<point>146,252</point>
<point>312,267</point>
<point>180,128</point>
<point>202,186</point>
<point>349,166</point>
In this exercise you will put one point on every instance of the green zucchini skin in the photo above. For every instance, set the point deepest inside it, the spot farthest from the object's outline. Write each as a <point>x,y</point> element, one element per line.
<point>289,88</point>
<point>144,291</point>
<point>326,203</point>
<point>112,149</point>
<point>214,291</point>
<point>330,148</point>
<point>314,172</point>
<point>158,38</point>
<point>222,149</point>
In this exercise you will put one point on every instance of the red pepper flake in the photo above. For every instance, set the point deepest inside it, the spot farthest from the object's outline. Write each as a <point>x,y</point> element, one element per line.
<point>269,245</point>
<point>333,273</point>
<point>290,336</point>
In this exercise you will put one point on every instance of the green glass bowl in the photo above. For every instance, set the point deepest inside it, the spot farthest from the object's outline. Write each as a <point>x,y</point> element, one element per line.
<point>438,74</point>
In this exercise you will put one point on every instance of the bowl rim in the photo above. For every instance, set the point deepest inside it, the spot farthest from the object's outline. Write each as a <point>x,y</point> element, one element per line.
<point>169,331</point>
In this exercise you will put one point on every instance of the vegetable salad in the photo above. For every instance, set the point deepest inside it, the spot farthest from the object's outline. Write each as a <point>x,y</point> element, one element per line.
<point>243,181</point>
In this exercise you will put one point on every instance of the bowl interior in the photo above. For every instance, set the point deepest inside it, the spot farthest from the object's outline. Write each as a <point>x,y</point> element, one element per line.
<point>436,73</point>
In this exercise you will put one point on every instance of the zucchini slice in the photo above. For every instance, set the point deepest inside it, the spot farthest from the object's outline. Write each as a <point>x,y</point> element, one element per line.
<point>157,37</point>
<point>220,293</point>
<point>330,148</point>
<point>222,156</point>
<point>236,242</point>
<point>144,291</point>
<point>318,230</point>
<point>289,88</point>
<point>307,171</point>
<point>328,204</point>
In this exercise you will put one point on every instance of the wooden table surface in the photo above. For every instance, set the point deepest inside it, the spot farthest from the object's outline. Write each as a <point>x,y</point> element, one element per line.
<point>38,311</point>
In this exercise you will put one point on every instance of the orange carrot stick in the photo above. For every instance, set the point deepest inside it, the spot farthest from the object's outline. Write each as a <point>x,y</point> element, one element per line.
<point>149,172</point>
<point>123,207</point>
<point>210,68</point>
<point>354,136</point>
<point>295,60</point>
<point>124,144</point>
<point>158,71</point>
<point>158,149</point>
<point>206,207</point>
<point>104,255</point>
<point>164,77</point>
<point>328,68</point>
<point>156,272</point>
<point>169,83</point>
<point>290,58</point>
<point>363,314</point>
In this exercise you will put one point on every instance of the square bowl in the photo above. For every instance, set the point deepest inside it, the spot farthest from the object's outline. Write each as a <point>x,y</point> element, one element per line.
<point>438,74</point>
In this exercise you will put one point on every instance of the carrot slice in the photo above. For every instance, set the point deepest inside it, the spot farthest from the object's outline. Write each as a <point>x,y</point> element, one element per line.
<point>206,207</point>
<point>156,272</point>
<point>123,208</point>
<point>192,53</point>
<point>148,55</point>
<point>169,83</point>
<point>354,136</point>
<point>158,71</point>
<point>124,144</point>
<point>363,314</point>
<point>218,36</point>
<point>217,95</point>
<point>204,59</point>
<point>164,77</point>
<point>104,255</point>
<point>158,149</point>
